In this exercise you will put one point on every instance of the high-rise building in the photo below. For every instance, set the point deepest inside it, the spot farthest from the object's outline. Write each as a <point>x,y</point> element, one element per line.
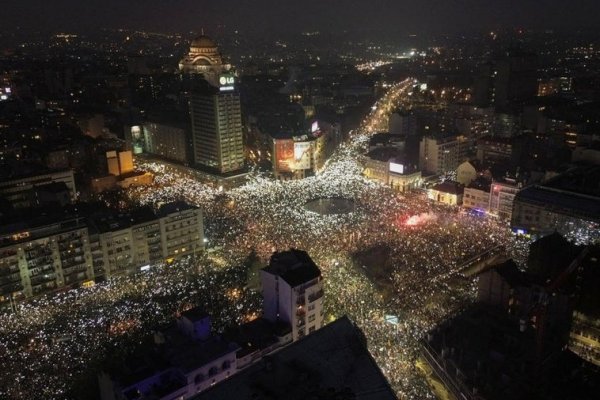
<point>167,141</point>
<point>508,78</point>
<point>293,292</point>
<point>217,126</point>
<point>214,108</point>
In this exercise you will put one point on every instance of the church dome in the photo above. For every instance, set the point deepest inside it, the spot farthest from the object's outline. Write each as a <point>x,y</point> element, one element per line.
<point>203,42</point>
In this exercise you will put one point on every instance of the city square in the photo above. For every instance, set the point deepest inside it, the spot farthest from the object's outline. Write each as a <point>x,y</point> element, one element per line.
<point>427,244</point>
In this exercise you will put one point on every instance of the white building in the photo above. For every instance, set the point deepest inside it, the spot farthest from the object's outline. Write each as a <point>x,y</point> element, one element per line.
<point>293,292</point>
<point>502,196</point>
<point>477,195</point>
<point>442,155</point>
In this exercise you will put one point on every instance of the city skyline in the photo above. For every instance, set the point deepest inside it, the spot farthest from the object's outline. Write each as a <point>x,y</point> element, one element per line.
<point>320,199</point>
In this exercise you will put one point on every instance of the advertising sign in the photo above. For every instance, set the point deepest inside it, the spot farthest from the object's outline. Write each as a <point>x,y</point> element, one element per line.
<point>397,168</point>
<point>284,153</point>
<point>302,155</point>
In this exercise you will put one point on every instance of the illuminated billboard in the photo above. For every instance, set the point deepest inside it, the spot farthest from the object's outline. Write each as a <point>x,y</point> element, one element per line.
<point>284,154</point>
<point>397,168</point>
<point>226,83</point>
<point>302,155</point>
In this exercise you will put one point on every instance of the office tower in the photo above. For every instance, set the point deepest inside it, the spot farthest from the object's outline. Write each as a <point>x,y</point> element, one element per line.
<point>214,108</point>
<point>217,126</point>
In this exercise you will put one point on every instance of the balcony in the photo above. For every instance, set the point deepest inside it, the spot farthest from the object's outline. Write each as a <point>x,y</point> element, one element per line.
<point>40,279</point>
<point>315,296</point>
<point>74,269</point>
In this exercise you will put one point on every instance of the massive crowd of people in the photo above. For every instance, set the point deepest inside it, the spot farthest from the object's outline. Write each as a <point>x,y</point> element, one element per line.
<point>48,343</point>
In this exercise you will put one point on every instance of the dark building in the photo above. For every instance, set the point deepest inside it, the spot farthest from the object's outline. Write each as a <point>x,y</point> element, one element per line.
<point>332,363</point>
<point>511,77</point>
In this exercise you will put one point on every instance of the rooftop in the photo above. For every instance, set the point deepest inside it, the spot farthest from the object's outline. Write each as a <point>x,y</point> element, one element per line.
<point>560,200</point>
<point>174,207</point>
<point>293,266</point>
<point>332,362</point>
<point>449,187</point>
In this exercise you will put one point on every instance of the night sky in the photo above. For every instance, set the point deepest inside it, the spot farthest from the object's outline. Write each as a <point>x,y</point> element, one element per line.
<point>293,15</point>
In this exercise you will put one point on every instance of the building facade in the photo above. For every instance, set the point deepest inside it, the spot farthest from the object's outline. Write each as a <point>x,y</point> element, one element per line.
<point>447,192</point>
<point>19,192</point>
<point>166,141</point>
<point>217,127</point>
<point>477,196</point>
<point>292,288</point>
<point>443,155</point>
<point>502,196</point>
<point>47,254</point>
<point>41,257</point>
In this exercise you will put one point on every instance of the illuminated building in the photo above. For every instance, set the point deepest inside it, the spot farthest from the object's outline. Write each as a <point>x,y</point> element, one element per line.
<point>205,59</point>
<point>214,109</point>
<point>142,238</point>
<point>43,254</point>
<point>447,192</point>
<point>466,172</point>
<point>384,164</point>
<point>442,155</point>
<point>477,195</point>
<point>217,126</point>
<point>502,196</point>
<point>568,202</point>
<point>48,251</point>
<point>166,141</point>
<point>119,162</point>
<point>293,292</point>
<point>299,156</point>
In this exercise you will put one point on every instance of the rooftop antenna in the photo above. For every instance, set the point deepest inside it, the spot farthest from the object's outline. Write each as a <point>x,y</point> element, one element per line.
<point>202,30</point>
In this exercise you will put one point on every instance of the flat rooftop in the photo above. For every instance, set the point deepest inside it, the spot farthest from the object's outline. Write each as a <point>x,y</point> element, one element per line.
<point>293,266</point>
<point>331,363</point>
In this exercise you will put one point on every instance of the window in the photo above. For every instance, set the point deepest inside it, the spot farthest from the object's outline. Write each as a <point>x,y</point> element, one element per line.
<point>311,329</point>
<point>311,318</point>
<point>311,307</point>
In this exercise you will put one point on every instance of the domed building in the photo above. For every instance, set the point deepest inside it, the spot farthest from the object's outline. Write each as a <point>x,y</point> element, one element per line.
<point>204,58</point>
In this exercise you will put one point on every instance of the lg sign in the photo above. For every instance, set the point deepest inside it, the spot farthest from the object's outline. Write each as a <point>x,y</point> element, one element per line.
<point>226,82</point>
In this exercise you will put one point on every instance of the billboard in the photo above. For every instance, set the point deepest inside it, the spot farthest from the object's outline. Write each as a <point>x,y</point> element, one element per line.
<point>302,155</point>
<point>226,83</point>
<point>397,168</point>
<point>284,154</point>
